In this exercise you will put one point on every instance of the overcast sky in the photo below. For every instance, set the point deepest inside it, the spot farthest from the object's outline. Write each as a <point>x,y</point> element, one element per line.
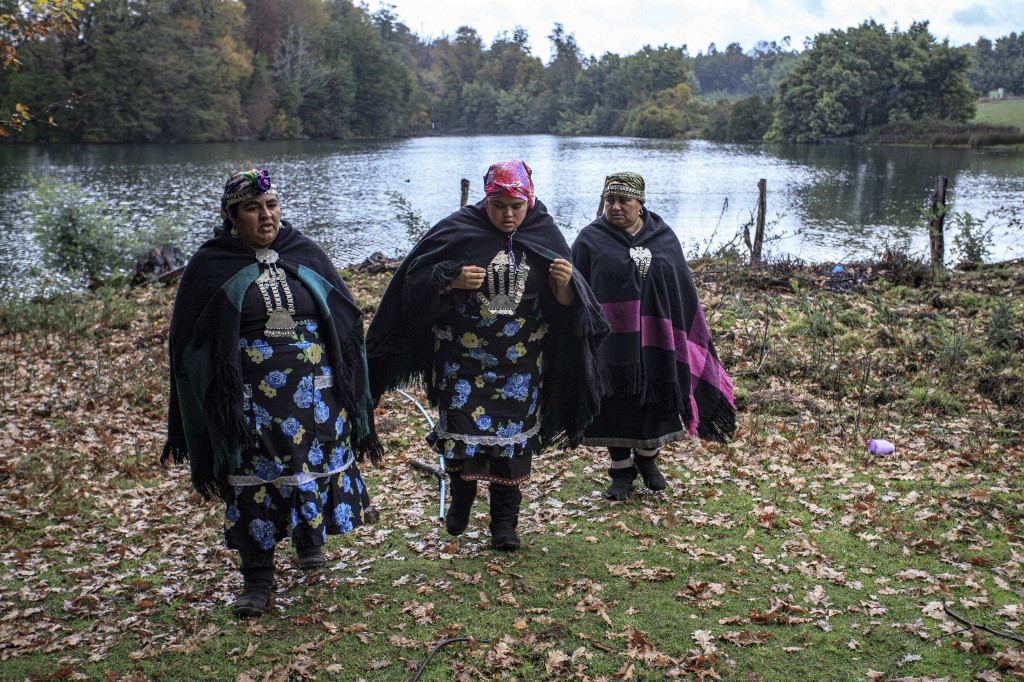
<point>625,26</point>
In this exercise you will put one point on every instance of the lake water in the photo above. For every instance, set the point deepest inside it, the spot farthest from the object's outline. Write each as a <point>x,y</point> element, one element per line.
<point>824,203</point>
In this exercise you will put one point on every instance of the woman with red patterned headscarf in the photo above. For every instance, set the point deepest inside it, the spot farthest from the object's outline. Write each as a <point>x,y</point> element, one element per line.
<point>488,314</point>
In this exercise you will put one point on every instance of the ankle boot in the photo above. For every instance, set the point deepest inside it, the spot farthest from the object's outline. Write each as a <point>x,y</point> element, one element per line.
<point>309,558</point>
<point>622,471</point>
<point>649,472</point>
<point>463,495</point>
<point>622,482</point>
<point>505,501</point>
<point>258,581</point>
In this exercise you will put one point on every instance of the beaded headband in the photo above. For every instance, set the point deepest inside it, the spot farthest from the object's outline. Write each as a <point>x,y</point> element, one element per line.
<point>245,185</point>
<point>625,184</point>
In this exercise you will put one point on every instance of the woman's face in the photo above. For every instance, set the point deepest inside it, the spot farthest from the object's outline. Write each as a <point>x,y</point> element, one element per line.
<point>507,213</point>
<point>622,212</point>
<point>258,220</point>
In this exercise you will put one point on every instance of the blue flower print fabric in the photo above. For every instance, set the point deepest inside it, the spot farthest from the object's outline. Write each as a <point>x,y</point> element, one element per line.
<point>488,370</point>
<point>299,431</point>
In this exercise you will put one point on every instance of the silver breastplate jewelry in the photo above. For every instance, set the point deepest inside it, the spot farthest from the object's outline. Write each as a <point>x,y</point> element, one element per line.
<point>272,285</point>
<point>641,255</point>
<point>506,283</point>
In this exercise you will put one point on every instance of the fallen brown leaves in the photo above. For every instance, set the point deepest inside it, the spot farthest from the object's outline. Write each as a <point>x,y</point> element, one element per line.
<point>103,548</point>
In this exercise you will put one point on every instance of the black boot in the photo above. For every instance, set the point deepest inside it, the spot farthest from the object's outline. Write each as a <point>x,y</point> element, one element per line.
<point>622,472</point>
<point>649,472</point>
<point>463,495</point>
<point>622,483</point>
<point>505,501</point>
<point>309,558</point>
<point>258,575</point>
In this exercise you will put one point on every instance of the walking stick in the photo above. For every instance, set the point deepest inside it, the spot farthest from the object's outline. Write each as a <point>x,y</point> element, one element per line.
<point>437,471</point>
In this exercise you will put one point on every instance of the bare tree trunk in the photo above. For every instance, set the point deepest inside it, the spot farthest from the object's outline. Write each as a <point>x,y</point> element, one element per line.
<point>465,193</point>
<point>936,238</point>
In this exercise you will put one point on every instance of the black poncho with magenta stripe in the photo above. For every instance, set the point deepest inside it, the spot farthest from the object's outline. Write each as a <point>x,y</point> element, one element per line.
<point>659,354</point>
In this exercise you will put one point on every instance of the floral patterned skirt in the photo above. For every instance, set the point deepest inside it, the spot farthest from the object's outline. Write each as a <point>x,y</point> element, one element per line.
<point>487,377</point>
<point>299,479</point>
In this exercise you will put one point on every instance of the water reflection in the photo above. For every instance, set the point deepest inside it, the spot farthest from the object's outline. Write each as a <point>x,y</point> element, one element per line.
<point>824,202</point>
<point>855,197</point>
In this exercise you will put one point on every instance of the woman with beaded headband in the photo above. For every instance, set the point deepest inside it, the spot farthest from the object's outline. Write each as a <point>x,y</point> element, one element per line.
<point>269,395</point>
<point>488,314</point>
<point>664,378</point>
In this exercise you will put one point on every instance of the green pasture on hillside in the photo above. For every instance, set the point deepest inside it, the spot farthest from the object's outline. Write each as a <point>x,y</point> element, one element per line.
<point>1001,112</point>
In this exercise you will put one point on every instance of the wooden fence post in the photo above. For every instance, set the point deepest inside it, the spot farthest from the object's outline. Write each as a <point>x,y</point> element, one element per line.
<point>755,250</point>
<point>465,193</point>
<point>936,238</point>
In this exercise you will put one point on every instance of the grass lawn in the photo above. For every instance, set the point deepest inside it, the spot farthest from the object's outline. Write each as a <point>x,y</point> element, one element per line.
<point>1007,112</point>
<point>790,553</point>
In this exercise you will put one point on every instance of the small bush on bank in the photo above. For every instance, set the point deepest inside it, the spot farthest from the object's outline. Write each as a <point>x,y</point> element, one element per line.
<point>86,240</point>
<point>973,239</point>
<point>415,224</point>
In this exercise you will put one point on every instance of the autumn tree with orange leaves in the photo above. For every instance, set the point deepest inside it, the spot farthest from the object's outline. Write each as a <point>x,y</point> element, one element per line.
<point>26,22</point>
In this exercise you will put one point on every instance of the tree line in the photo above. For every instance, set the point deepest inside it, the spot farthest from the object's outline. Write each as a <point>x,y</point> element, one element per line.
<point>212,70</point>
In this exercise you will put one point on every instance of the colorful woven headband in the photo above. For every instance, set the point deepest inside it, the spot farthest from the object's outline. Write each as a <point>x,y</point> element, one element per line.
<point>625,184</point>
<point>244,185</point>
<point>510,179</point>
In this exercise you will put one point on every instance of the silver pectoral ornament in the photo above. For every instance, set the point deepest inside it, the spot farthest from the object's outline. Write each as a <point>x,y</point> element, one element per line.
<point>505,285</point>
<point>272,283</point>
<point>279,323</point>
<point>641,255</point>
<point>266,256</point>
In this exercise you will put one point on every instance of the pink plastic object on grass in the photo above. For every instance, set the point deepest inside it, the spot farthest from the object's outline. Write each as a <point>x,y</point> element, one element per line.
<point>881,447</point>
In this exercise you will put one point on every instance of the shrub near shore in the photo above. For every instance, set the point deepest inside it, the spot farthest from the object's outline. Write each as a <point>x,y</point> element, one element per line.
<point>997,124</point>
<point>791,549</point>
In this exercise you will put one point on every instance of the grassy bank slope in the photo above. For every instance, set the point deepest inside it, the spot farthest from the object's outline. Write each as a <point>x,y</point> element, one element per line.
<point>789,554</point>
<point>1001,112</point>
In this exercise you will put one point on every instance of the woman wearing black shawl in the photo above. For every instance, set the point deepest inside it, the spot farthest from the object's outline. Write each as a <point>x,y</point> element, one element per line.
<point>488,314</point>
<point>664,376</point>
<point>269,396</point>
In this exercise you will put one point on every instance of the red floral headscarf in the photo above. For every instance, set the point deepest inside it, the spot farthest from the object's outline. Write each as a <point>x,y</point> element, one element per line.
<point>511,179</point>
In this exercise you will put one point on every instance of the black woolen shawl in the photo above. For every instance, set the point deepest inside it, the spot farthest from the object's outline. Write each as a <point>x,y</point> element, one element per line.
<point>400,342</point>
<point>205,422</point>
<point>659,329</point>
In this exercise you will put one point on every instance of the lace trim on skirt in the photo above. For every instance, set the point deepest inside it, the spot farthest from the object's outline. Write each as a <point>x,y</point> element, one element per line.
<point>296,480</point>
<point>516,439</point>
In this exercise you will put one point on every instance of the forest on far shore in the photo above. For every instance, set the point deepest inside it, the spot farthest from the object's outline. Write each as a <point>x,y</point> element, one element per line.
<point>217,70</point>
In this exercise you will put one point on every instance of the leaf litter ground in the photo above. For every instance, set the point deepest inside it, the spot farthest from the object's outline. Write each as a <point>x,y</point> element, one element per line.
<point>789,550</point>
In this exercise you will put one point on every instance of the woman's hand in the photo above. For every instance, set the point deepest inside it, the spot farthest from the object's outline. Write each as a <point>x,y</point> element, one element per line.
<point>470,277</point>
<point>560,274</point>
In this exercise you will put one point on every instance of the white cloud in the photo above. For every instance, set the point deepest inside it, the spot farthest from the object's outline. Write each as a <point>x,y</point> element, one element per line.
<point>601,26</point>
